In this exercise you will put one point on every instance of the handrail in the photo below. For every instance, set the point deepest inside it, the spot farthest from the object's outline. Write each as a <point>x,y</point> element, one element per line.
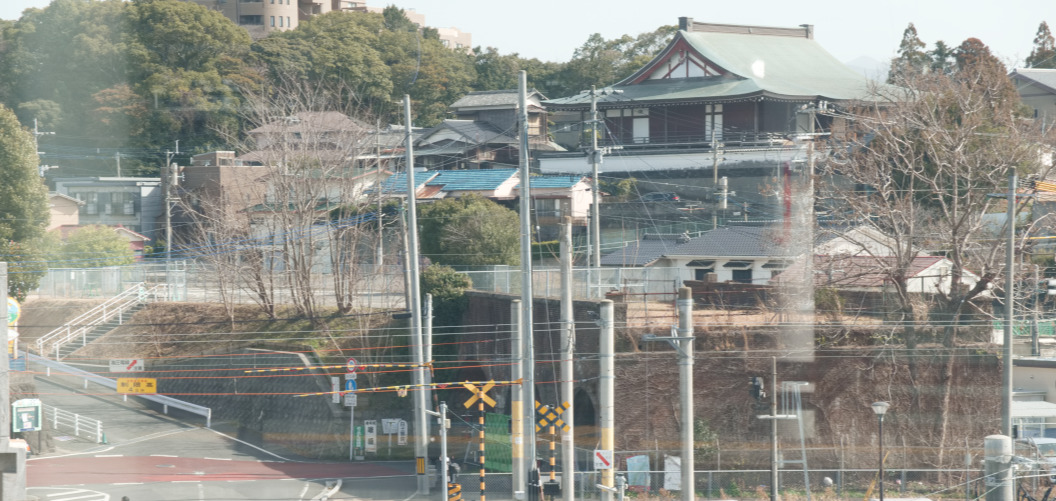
<point>78,424</point>
<point>164,400</point>
<point>85,322</point>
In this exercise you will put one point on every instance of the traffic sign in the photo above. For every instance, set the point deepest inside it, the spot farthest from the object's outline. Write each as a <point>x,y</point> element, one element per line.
<point>26,415</point>
<point>127,365</point>
<point>602,459</point>
<point>352,364</point>
<point>13,311</point>
<point>481,394</point>
<point>551,416</point>
<point>132,385</point>
<point>350,385</point>
<point>351,399</point>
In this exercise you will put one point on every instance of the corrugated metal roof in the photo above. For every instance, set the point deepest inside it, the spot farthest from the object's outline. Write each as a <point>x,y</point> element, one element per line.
<point>471,180</point>
<point>397,183</point>
<point>554,181</point>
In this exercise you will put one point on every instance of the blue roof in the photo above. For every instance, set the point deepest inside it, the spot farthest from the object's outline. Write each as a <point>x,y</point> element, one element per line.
<point>554,181</point>
<point>397,183</point>
<point>471,180</point>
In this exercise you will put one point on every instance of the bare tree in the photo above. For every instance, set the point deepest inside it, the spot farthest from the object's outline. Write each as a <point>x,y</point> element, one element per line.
<point>926,156</point>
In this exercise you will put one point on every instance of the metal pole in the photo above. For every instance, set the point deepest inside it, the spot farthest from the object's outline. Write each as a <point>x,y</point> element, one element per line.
<point>685,375</point>
<point>519,473</point>
<point>881,416</point>
<point>421,443</point>
<point>773,429</point>
<point>443,447</point>
<point>352,433</point>
<point>568,351</point>
<point>526,276</point>
<point>595,209</point>
<point>606,393</point>
<point>1006,352</point>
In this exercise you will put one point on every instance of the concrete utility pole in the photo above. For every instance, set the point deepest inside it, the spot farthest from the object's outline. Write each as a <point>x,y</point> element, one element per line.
<point>519,473</point>
<point>997,466</point>
<point>172,180</point>
<point>568,353</point>
<point>41,168</point>
<point>685,375</point>
<point>421,439</point>
<point>12,460</point>
<point>526,276</point>
<point>595,206</point>
<point>1006,352</point>
<point>773,429</point>
<point>683,344</point>
<point>606,393</point>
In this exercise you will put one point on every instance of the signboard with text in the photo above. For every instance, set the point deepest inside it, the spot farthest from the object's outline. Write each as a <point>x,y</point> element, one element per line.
<point>136,385</point>
<point>127,365</point>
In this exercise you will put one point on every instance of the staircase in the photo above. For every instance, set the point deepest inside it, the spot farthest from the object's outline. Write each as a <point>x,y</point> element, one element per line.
<point>87,327</point>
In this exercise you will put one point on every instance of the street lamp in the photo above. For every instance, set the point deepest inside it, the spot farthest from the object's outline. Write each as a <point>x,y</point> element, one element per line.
<point>880,408</point>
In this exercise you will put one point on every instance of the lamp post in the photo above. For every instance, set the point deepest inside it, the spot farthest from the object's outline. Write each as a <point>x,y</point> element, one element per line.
<point>880,408</point>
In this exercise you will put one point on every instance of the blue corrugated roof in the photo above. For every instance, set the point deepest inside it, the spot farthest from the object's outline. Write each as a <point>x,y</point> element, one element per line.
<point>471,180</point>
<point>554,181</point>
<point>397,183</point>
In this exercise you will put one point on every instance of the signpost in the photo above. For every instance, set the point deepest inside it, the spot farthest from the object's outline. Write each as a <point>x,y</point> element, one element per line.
<point>27,415</point>
<point>136,385</point>
<point>127,365</point>
<point>13,311</point>
<point>350,402</point>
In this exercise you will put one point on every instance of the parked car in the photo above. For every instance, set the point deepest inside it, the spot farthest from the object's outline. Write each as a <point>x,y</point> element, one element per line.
<point>659,197</point>
<point>1037,454</point>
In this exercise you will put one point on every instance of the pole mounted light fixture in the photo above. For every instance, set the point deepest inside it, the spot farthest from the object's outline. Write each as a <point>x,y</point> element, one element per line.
<point>880,408</point>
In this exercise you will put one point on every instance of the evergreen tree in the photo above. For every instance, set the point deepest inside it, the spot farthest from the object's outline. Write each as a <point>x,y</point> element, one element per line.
<point>912,61</point>
<point>23,206</point>
<point>942,58</point>
<point>1044,53</point>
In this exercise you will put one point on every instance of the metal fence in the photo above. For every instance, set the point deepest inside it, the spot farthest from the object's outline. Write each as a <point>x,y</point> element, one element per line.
<point>80,426</point>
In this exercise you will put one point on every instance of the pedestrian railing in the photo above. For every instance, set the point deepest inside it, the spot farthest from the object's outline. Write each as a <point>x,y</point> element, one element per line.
<point>80,426</point>
<point>115,307</point>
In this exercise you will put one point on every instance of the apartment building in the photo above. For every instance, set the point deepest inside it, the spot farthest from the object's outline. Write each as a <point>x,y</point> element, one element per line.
<point>260,17</point>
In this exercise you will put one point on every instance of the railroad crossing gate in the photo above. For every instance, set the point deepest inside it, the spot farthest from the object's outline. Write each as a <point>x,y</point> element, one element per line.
<point>550,416</point>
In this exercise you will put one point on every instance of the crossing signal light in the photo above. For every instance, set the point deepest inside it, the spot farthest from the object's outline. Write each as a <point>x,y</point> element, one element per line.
<point>1050,287</point>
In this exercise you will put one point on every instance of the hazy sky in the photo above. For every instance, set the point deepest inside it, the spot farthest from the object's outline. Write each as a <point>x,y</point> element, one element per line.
<point>551,29</point>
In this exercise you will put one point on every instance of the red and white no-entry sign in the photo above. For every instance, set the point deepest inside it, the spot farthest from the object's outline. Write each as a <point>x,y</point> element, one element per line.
<point>352,364</point>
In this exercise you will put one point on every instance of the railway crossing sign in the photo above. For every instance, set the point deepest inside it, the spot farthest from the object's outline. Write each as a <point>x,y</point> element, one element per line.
<point>482,394</point>
<point>550,415</point>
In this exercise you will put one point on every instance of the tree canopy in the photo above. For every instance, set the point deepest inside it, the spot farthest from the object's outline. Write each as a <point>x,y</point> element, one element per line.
<point>469,231</point>
<point>94,246</point>
<point>1043,55</point>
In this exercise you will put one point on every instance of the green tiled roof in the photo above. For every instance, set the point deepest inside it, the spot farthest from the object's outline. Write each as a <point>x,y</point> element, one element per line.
<point>778,67</point>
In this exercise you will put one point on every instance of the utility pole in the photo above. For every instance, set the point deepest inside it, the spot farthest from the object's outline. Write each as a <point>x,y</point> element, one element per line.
<point>1006,352</point>
<point>421,443</point>
<point>41,168</point>
<point>716,155</point>
<point>13,476</point>
<point>607,394</point>
<point>683,344</point>
<point>568,353</point>
<point>595,206</point>
<point>526,278</point>
<point>171,182</point>
<point>519,473</point>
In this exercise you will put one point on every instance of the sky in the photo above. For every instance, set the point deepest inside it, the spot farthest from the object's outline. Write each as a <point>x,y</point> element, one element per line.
<point>551,30</point>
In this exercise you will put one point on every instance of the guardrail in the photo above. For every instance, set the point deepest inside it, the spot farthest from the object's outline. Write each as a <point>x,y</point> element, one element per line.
<point>81,426</point>
<point>114,307</point>
<point>165,401</point>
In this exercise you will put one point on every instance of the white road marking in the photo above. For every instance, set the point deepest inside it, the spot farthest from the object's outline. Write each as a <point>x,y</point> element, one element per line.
<point>229,437</point>
<point>219,459</point>
<point>163,456</point>
<point>109,455</point>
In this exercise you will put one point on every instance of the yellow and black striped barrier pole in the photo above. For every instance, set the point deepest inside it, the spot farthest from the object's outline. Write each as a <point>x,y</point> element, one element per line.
<point>553,456</point>
<point>342,366</point>
<point>480,407</point>
<point>454,491</point>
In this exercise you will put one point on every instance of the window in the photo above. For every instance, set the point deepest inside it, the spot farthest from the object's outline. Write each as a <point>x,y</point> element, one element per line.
<point>702,273</point>
<point>272,21</point>
<point>280,21</point>
<point>251,20</point>
<point>742,276</point>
